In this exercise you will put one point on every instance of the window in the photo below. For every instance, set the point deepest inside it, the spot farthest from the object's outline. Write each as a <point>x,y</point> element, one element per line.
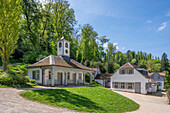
<point>122,71</point>
<point>66,51</point>
<point>115,84</point>
<point>158,77</point>
<point>130,71</point>
<point>49,74</point>
<point>66,45</point>
<point>122,85</point>
<point>36,75</point>
<point>60,44</point>
<point>130,85</point>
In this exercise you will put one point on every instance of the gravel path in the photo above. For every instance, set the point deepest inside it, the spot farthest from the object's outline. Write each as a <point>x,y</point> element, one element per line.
<point>148,103</point>
<point>12,102</point>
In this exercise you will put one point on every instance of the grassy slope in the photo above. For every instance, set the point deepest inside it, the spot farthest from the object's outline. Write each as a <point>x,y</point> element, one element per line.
<point>87,99</point>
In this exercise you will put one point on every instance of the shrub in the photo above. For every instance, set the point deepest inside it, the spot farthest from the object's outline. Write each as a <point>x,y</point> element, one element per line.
<point>10,78</point>
<point>32,81</point>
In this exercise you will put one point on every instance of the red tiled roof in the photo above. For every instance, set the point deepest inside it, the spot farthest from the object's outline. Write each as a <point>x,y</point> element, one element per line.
<point>59,61</point>
<point>160,73</point>
<point>103,75</point>
<point>153,82</point>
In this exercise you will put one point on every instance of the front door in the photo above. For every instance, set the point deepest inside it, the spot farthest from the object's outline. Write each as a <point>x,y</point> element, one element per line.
<point>137,87</point>
<point>60,78</point>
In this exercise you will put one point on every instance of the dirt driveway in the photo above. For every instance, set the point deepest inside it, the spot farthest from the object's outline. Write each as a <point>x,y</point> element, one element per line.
<point>148,103</point>
<point>11,102</point>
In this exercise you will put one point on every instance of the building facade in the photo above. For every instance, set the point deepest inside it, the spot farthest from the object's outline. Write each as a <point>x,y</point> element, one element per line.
<point>159,77</point>
<point>59,70</point>
<point>133,79</point>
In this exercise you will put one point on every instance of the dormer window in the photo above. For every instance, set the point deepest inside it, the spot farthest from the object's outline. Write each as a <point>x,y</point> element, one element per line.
<point>60,44</point>
<point>66,45</point>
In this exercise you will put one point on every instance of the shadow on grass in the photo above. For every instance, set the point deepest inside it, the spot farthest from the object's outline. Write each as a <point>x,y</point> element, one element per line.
<point>60,96</point>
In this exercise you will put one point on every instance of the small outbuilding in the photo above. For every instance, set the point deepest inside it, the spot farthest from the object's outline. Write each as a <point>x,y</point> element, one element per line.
<point>59,70</point>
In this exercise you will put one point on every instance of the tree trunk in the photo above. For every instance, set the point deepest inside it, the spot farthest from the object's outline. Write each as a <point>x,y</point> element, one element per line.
<point>5,64</point>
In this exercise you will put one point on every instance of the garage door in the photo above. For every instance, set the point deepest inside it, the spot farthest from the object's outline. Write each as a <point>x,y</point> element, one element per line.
<point>137,87</point>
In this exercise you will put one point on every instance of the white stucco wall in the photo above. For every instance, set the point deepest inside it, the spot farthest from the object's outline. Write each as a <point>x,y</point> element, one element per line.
<point>30,74</point>
<point>162,85</point>
<point>100,81</point>
<point>131,78</point>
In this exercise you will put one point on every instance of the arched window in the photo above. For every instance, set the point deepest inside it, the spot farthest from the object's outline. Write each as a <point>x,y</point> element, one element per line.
<point>49,74</point>
<point>60,44</point>
<point>66,45</point>
<point>66,51</point>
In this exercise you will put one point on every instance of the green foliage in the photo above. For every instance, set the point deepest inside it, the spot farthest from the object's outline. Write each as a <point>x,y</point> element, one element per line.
<point>164,62</point>
<point>116,66</point>
<point>109,67</point>
<point>101,66</point>
<point>12,79</point>
<point>82,99</point>
<point>10,12</point>
<point>33,56</point>
<point>152,66</point>
<point>18,69</point>
<point>87,63</point>
<point>167,80</point>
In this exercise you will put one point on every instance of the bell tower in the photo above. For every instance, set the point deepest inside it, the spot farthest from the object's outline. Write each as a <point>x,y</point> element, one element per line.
<point>63,47</point>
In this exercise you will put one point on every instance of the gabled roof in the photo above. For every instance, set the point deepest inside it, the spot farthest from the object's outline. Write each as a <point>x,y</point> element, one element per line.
<point>153,82</point>
<point>103,76</point>
<point>59,61</point>
<point>160,73</point>
<point>132,66</point>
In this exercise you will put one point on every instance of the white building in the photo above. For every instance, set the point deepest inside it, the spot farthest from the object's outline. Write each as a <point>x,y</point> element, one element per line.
<point>59,70</point>
<point>159,77</point>
<point>133,79</point>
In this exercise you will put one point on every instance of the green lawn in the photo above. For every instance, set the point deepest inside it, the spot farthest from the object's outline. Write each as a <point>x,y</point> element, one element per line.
<point>86,99</point>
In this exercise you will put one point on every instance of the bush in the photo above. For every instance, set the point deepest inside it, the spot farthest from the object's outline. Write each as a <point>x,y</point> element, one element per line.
<point>10,78</point>
<point>32,81</point>
<point>87,63</point>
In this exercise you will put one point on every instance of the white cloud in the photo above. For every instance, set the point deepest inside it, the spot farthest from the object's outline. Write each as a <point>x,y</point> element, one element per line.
<point>114,44</point>
<point>149,21</point>
<point>117,47</point>
<point>123,48</point>
<point>105,45</point>
<point>163,26</point>
<point>97,40</point>
<point>168,13</point>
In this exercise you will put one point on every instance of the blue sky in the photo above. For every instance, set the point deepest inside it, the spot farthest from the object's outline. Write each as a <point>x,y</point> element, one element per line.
<point>139,25</point>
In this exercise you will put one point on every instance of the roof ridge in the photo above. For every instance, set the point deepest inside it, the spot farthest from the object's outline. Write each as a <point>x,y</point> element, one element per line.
<point>41,60</point>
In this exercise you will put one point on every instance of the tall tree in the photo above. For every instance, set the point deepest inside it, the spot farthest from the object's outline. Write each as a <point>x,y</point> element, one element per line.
<point>10,12</point>
<point>164,62</point>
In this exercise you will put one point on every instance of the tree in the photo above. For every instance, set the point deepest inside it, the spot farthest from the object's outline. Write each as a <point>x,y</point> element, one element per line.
<point>87,63</point>
<point>164,62</point>
<point>10,12</point>
<point>109,67</point>
<point>110,51</point>
<point>88,47</point>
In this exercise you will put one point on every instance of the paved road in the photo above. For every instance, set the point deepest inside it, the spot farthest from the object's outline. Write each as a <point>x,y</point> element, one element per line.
<point>11,102</point>
<point>148,103</point>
